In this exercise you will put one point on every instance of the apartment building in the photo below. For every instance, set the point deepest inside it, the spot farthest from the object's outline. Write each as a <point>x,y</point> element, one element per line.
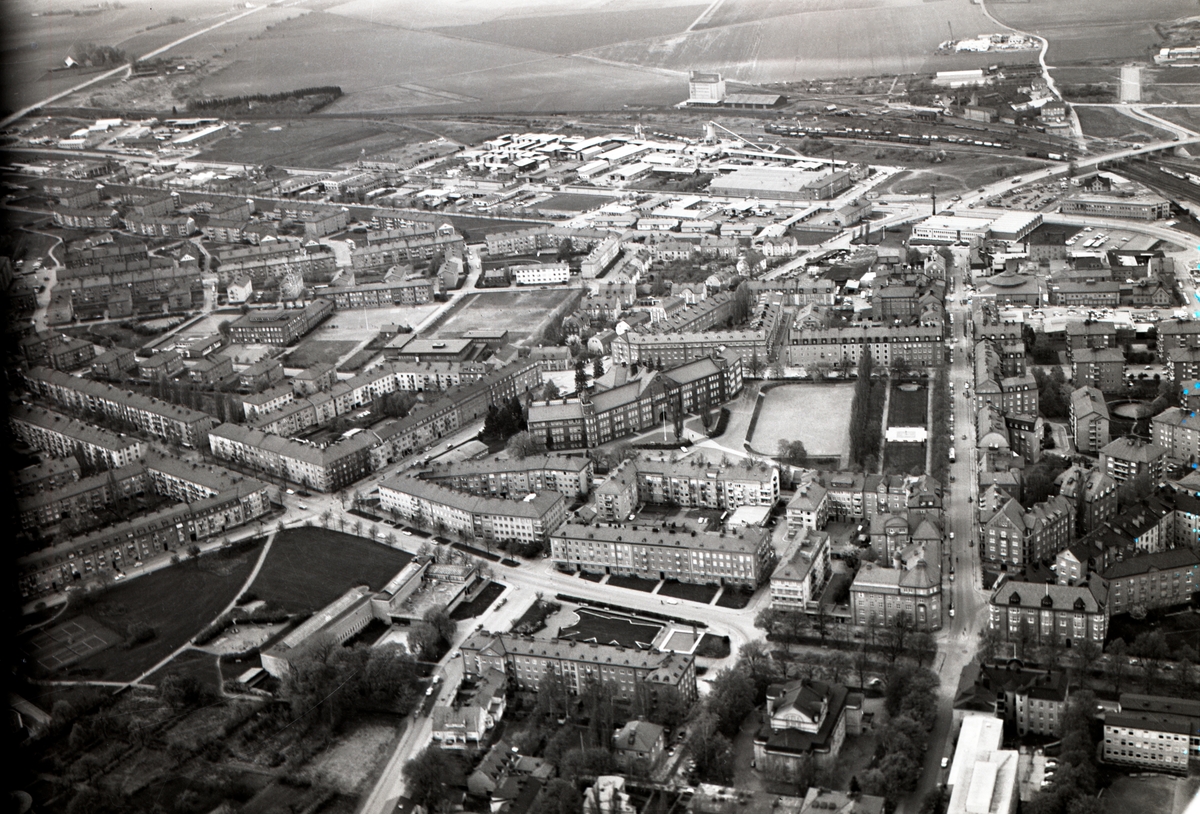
<point>667,347</point>
<point>569,475</point>
<point>1155,580</point>
<point>1131,458</point>
<point>63,437</point>
<point>113,364</point>
<point>1089,419</point>
<point>1041,613</point>
<point>1094,334</point>
<point>654,552</point>
<point>1154,732</point>
<point>879,596</point>
<point>809,506</point>
<point>1101,368</point>
<point>45,509</point>
<point>1096,490</point>
<point>916,345</point>
<point>803,571</point>
<point>261,375</point>
<point>628,672</point>
<point>325,469</point>
<point>1172,431</point>
<point>120,546</point>
<point>385,294</point>
<point>1016,537</point>
<point>163,420</point>
<point>530,519</point>
<point>695,481</point>
<point>617,498</point>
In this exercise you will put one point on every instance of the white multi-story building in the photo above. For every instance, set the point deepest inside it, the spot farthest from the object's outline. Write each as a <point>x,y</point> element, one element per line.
<point>548,274</point>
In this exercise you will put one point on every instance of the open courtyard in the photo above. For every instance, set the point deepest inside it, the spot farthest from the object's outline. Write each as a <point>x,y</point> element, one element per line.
<point>818,415</point>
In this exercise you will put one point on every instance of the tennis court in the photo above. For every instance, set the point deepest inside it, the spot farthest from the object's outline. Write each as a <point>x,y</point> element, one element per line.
<point>67,643</point>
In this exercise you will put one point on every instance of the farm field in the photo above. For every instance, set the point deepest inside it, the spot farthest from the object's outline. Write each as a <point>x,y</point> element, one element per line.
<point>177,602</point>
<point>754,41</point>
<point>307,568</point>
<point>30,46</point>
<point>580,30</point>
<point>437,73</point>
<point>515,311</point>
<point>308,142</point>
<point>1188,117</point>
<point>418,14</point>
<point>825,427</point>
<point>1092,30</point>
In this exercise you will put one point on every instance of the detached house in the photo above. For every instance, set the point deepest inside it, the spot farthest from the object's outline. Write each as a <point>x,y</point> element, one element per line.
<point>456,725</point>
<point>639,743</point>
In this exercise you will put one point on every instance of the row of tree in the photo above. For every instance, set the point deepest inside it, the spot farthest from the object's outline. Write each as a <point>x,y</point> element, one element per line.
<point>329,92</point>
<point>866,416</point>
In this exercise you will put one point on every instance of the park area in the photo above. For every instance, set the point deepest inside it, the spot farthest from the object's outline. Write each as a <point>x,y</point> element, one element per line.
<point>818,415</point>
<point>606,627</point>
<point>119,632</point>
<point>308,567</point>
<point>521,312</point>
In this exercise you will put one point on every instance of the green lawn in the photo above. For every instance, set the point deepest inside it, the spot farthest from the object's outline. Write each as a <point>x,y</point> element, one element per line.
<point>191,662</point>
<point>907,407</point>
<point>307,568</point>
<point>686,590</point>
<point>904,459</point>
<point>177,602</point>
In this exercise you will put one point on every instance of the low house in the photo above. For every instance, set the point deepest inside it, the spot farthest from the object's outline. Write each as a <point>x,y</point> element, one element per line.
<point>463,722</point>
<point>503,762</point>
<point>639,743</point>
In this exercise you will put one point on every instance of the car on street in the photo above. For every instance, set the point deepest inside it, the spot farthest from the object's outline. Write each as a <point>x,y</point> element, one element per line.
<point>302,507</point>
<point>945,762</point>
<point>406,533</point>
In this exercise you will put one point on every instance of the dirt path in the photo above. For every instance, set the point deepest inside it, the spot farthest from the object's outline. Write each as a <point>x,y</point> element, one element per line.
<point>262,557</point>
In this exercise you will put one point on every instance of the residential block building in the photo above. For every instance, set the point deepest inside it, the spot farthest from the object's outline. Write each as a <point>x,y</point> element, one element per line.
<point>627,671</point>
<point>280,326</point>
<point>879,596</point>
<point>660,552</point>
<point>64,437</point>
<point>1155,580</point>
<point>569,475</point>
<point>169,422</point>
<point>1131,458</point>
<point>528,520</point>
<point>802,573</point>
<point>1014,537</point>
<point>1041,613</point>
<point>1089,419</point>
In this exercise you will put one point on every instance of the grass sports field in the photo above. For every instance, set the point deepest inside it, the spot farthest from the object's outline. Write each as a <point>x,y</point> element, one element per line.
<point>817,415</point>
<point>515,310</point>
<point>317,351</point>
<point>307,568</point>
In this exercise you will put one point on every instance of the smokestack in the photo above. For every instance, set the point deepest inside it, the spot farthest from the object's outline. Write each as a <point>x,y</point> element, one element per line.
<point>933,197</point>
